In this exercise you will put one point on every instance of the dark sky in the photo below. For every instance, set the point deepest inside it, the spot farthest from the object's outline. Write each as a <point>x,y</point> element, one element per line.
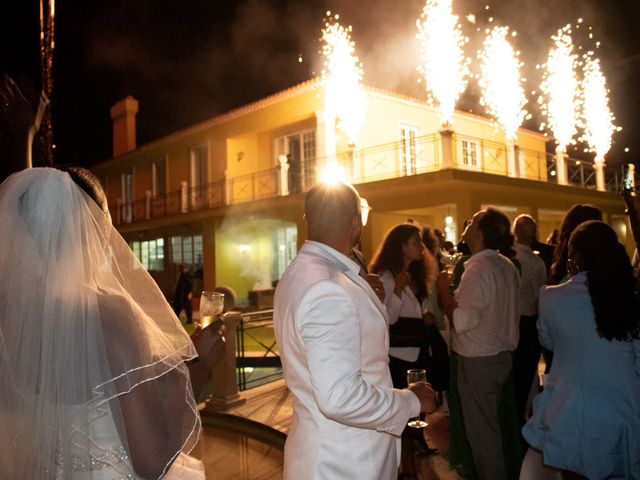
<point>186,61</point>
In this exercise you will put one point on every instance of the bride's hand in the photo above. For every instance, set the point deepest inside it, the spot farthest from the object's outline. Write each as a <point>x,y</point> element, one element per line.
<point>209,342</point>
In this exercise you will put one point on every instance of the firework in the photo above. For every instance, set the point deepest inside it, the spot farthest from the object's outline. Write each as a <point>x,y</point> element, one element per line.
<point>596,115</point>
<point>560,87</point>
<point>502,86</point>
<point>342,74</point>
<point>442,61</point>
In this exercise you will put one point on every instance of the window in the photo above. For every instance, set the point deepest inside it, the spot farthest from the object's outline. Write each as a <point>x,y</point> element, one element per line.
<point>127,197</point>
<point>408,154</point>
<point>159,176</point>
<point>300,150</point>
<point>187,250</point>
<point>150,253</point>
<point>470,153</point>
<point>285,245</point>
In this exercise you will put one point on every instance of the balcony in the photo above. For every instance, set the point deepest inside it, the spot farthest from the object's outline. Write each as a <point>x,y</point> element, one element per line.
<point>423,154</point>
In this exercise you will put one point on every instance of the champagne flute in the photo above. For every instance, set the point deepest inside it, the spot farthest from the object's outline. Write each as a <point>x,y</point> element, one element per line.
<point>416,375</point>
<point>450,262</point>
<point>211,306</point>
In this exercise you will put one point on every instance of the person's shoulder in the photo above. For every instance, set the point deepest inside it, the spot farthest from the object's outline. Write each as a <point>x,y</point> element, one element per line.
<point>558,292</point>
<point>306,271</point>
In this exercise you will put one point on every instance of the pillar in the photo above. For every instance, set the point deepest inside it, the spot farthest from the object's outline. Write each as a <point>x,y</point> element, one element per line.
<point>598,166</point>
<point>184,197</point>
<point>283,175</point>
<point>446,148</point>
<point>223,380</point>
<point>561,165</point>
<point>511,158</point>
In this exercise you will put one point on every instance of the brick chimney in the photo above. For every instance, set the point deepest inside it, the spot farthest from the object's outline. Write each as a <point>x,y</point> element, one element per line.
<point>123,115</point>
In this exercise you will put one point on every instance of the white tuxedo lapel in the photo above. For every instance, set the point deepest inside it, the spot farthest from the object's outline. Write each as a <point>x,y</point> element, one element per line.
<point>350,274</point>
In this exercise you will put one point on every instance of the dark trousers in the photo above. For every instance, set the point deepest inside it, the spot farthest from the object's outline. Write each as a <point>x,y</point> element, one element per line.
<point>525,363</point>
<point>186,306</point>
<point>480,382</point>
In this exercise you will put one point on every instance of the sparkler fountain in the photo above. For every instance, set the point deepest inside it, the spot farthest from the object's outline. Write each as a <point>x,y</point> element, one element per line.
<point>443,65</point>
<point>344,94</point>
<point>597,117</point>
<point>502,90</point>
<point>560,86</point>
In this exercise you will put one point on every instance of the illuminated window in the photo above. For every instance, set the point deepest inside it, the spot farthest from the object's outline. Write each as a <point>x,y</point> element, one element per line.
<point>285,245</point>
<point>150,253</point>
<point>408,156</point>
<point>187,250</point>
<point>470,153</point>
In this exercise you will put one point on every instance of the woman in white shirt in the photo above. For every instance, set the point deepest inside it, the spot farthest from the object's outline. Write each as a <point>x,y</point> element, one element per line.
<point>403,264</point>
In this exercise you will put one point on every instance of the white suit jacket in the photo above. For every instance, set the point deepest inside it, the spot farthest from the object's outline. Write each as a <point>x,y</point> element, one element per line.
<point>332,333</point>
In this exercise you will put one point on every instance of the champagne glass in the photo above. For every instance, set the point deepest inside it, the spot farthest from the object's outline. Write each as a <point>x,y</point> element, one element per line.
<point>450,262</point>
<point>211,306</point>
<point>416,375</point>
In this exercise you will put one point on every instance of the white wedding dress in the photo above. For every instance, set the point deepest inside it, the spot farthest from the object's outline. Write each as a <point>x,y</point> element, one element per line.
<point>107,457</point>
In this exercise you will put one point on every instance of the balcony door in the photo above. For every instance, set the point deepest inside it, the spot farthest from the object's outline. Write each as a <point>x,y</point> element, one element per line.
<point>199,176</point>
<point>408,153</point>
<point>300,150</point>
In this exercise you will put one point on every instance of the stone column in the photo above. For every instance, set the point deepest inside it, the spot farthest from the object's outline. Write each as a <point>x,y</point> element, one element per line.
<point>511,158</point>
<point>184,197</point>
<point>283,175</point>
<point>224,380</point>
<point>561,165</point>
<point>446,148</point>
<point>598,166</point>
<point>521,162</point>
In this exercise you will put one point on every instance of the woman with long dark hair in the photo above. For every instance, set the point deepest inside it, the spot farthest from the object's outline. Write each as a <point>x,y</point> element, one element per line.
<point>405,268</point>
<point>402,265</point>
<point>575,216</point>
<point>586,421</point>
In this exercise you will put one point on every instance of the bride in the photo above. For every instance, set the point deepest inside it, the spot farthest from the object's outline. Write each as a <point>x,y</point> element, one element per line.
<point>92,359</point>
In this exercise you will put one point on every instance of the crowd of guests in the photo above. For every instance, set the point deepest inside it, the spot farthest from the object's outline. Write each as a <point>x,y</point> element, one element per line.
<point>98,375</point>
<point>510,300</point>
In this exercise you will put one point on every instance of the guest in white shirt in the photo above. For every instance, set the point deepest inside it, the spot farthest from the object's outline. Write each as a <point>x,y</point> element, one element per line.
<point>484,316</point>
<point>533,276</point>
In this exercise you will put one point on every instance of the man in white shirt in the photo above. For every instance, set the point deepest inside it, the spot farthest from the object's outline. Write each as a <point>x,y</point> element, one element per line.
<point>332,331</point>
<point>533,275</point>
<point>484,331</point>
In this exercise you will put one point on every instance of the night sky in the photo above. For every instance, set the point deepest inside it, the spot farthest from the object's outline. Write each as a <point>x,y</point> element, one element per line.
<point>186,61</point>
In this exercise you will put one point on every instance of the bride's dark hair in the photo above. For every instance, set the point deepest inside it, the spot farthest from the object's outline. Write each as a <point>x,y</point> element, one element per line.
<point>595,249</point>
<point>89,183</point>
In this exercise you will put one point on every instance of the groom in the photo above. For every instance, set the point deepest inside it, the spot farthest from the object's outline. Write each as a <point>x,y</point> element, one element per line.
<point>332,332</point>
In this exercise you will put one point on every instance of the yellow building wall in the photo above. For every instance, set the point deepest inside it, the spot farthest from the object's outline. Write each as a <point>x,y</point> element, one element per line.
<point>244,254</point>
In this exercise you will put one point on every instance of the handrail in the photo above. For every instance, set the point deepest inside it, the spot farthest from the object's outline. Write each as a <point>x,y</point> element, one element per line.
<point>384,161</point>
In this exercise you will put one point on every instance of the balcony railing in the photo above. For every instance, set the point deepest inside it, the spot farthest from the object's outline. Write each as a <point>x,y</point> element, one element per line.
<point>257,358</point>
<point>391,160</point>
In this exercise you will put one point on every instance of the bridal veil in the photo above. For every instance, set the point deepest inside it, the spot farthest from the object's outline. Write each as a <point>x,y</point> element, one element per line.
<point>82,325</point>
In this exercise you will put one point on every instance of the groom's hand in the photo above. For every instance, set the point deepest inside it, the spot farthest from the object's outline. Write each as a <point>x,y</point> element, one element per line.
<point>426,395</point>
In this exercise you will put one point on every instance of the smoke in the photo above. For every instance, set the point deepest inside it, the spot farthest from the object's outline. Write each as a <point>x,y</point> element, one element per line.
<point>188,61</point>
